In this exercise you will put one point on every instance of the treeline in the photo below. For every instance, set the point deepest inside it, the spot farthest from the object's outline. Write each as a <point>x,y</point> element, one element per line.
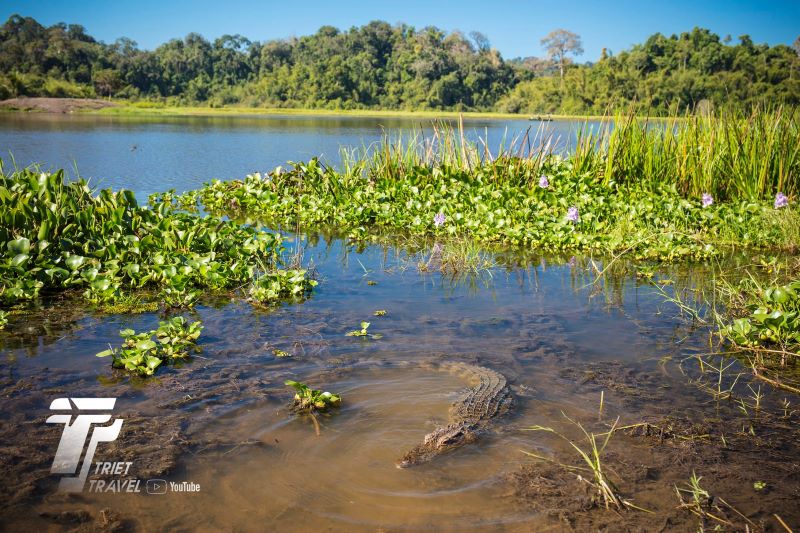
<point>380,66</point>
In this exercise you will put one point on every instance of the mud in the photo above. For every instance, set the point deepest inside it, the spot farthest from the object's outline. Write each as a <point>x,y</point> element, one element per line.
<point>224,417</point>
<point>54,105</point>
<point>733,453</point>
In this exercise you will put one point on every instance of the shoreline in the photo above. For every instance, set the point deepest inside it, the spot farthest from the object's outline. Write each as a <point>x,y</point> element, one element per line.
<point>92,106</point>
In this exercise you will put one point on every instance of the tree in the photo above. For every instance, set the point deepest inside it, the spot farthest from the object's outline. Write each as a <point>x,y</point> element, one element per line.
<point>796,45</point>
<point>559,43</point>
<point>481,41</point>
<point>107,81</point>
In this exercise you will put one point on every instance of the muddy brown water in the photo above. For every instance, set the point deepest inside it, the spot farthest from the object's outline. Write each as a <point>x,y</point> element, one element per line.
<point>222,421</point>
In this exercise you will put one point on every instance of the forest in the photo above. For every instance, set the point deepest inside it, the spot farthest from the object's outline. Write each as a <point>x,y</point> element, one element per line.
<point>398,67</point>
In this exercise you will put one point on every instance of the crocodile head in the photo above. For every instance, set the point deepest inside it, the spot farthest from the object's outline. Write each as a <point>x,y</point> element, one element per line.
<point>435,443</point>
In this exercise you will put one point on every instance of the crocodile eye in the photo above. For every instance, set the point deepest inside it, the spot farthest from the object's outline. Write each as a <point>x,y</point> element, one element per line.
<point>452,438</point>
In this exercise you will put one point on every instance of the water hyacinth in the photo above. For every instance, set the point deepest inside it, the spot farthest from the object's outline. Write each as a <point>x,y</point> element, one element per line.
<point>707,199</point>
<point>544,182</point>
<point>573,215</point>
<point>781,200</point>
<point>439,219</point>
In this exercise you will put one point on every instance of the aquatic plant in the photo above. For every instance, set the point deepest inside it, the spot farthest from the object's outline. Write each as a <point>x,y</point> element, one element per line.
<point>754,313</point>
<point>773,318</point>
<point>57,235</point>
<point>623,187</point>
<point>3,319</point>
<point>363,332</point>
<point>175,339</point>
<point>308,399</point>
<point>573,215</point>
<point>762,322</point>
<point>280,283</point>
<point>544,182</point>
<point>701,503</point>
<point>781,200</point>
<point>380,312</point>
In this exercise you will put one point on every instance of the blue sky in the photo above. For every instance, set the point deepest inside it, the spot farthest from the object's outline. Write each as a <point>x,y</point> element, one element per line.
<point>513,27</point>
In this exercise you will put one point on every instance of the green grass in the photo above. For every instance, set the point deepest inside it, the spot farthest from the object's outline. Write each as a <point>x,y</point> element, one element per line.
<point>732,155</point>
<point>153,109</point>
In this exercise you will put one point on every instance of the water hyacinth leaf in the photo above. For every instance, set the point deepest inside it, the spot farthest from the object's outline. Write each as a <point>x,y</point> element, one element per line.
<point>20,245</point>
<point>90,274</point>
<point>145,345</point>
<point>101,284</point>
<point>44,230</point>
<point>74,262</point>
<point>19,260</point>
<point>56,273</point>
<point>779,295</point>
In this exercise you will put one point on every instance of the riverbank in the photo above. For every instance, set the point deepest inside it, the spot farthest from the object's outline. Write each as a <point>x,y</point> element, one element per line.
<point>55,105</point>
<point>126,108</point>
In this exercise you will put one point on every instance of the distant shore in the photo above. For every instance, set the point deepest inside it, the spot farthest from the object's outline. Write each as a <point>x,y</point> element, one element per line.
<point>125,108</point>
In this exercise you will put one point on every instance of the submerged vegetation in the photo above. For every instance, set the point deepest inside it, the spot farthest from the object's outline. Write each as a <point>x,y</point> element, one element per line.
<point>686,189</point>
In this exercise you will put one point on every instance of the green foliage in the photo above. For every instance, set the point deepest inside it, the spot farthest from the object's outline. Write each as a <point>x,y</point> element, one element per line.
<point>732,155</point>
<point>627,203</point>
<point>380,66</point>
<point>292,283</point>
<point>693,71</point>
<point>3,319</point>
<point>772,318</point>
<point>359,332</point>
<point>140,354</point>
<point>57,235</point>
<point>308,399</point>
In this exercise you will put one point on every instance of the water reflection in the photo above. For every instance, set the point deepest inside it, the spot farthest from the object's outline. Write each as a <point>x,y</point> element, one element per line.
<point>153,154</point>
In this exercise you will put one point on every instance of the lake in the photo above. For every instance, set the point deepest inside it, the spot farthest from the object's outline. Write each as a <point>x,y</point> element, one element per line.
<point>575,348</point>
<point>150,155</point>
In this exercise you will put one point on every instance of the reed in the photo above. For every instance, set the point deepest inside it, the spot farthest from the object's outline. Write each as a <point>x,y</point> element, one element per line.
<point>731,155</point>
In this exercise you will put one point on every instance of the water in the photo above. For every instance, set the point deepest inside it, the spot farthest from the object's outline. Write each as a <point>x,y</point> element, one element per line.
<point>150,155</point>
<point>222,421</point>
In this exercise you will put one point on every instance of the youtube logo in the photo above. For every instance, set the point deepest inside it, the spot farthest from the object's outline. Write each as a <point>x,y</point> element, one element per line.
<point>156,486</point>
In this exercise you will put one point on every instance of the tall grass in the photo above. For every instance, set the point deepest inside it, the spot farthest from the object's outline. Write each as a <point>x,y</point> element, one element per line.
<point>731,155</point>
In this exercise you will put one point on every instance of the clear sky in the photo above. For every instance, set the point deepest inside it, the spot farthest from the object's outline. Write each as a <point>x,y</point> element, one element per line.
<point>513,27</point>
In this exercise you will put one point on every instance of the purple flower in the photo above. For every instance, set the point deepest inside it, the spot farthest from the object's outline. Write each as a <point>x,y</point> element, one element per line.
<point>439,219</point>
<point>573,215</point>
<point>544,182</point>
<point>781,200</point>
<point>707,199</point>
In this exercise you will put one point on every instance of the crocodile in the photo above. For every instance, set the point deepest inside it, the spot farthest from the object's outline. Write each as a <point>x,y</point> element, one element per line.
<point>469,416</point>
